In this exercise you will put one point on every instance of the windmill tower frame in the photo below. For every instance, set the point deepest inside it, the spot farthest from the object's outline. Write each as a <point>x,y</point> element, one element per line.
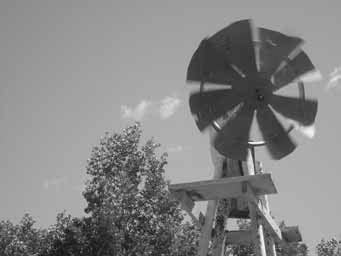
<point>251,185</point>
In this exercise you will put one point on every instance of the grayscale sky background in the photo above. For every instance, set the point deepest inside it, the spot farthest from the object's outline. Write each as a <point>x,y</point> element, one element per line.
<point>71,70</point>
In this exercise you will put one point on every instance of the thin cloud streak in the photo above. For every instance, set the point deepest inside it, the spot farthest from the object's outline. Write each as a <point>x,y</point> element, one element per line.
<point>177,148</point>
<point>164,108</point>
<point>55,183</point>
<point>174,149</point>
<point>137,113</point>
<point>168,107</point>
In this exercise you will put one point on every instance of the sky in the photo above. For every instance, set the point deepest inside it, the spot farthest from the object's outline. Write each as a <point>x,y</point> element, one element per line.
<point>72,70</point>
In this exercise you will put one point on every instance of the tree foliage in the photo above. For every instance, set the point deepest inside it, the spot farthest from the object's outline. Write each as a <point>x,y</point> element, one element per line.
<point>129,209</point>
<point>128,199</point>
<point>330,247</point>
<point>22,239</point>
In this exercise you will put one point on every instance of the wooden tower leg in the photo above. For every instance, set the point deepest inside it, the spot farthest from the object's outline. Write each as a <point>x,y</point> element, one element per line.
<point>269,241</point>
<point>230,168</point>
<point>206,231</point>
<point>223,211</point>
<point>256,223</point>
<point>223,167</point>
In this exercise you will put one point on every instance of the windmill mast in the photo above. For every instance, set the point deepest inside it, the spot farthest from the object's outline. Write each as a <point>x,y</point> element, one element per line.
<point>251,73</point>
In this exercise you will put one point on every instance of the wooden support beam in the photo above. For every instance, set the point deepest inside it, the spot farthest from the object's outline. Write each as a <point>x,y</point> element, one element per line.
<point>256,224</point>
<point>206,231</point>
<point>226,187</point>
<point>269,222</point>
<point>229,168</point>
<point>269,240</point>
<point>223,210</point>
<point>263,212</point>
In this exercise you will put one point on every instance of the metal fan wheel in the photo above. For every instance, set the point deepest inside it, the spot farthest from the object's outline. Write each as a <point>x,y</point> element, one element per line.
<point>250,71</point>
<point>257,143</point>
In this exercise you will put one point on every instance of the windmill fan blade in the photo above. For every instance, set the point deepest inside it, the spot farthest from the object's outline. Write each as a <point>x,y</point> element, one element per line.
<point>210,105</point>
<point>232,140</point>
<point>237,41</point>
<point>300,110</point>
<point>294,69</point>
<point>209,64</point>
<point>274,47</point>
<point>277,140</point>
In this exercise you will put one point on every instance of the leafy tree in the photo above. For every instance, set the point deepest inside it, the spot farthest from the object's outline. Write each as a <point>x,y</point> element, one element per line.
<point>330,247</point>
<point>128,200</point>
<point>22,239</point>
<point>67,237</point>
<point>130,211</point>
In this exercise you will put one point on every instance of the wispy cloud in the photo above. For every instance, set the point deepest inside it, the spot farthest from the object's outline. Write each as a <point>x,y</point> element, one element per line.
<point>168,106</point>
<point>55,183</point>
<point>136,113</point>
<point>334,78</point>
<point>177,148</point>
<point>164,108</point>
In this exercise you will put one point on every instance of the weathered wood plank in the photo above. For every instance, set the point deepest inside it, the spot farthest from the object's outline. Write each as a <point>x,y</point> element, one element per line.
<point>264,214</point>
<point>206,230</point>
<point>226,187</point>
<point>269,240</point>
<point>256,225</point>
<point>229,168</point>
<point>269,222</point>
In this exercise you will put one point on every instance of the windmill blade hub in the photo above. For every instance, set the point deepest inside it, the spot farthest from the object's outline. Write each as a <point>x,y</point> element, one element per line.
<point>255,90</point>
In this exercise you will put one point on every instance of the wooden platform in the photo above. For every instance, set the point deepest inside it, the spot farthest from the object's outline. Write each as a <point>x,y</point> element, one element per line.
<point>226,187</point>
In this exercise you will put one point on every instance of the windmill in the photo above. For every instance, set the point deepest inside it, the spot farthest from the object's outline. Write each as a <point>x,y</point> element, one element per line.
<point>240,73</point>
